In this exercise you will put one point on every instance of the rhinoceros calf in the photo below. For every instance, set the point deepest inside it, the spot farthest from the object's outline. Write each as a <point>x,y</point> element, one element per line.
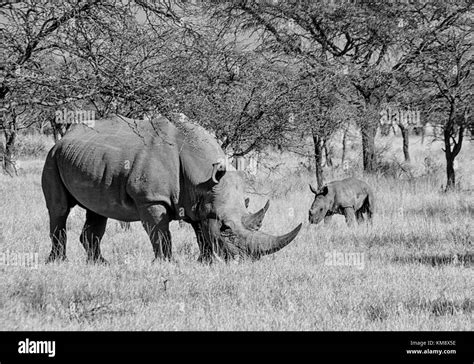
<point>349,197</point>
<point>154,172</point>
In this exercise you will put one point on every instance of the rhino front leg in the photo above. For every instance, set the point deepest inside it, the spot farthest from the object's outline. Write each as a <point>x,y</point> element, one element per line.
<point>360,217</point>
<point>327,219</point>
<point>349,214</point>
<point>155,220</point>
<point>205,250</point>
<point>92,233</point>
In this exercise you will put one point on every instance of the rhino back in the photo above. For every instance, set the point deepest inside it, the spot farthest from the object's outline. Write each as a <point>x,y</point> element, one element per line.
<point>349,192</point>
<point>108,167</point>
<point>121,163</point>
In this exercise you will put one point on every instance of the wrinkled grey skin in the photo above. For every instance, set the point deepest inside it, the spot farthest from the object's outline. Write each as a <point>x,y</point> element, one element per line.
<point>251,221</point>
<point>153,172</point>
<point>350,197</point>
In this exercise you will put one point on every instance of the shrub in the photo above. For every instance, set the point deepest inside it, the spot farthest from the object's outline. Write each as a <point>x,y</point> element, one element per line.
<point>35,145</point>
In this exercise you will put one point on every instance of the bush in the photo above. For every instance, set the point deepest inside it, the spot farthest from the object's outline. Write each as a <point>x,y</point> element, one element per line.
<point>35,145</point>
<point>393,168</point>
<point>432,167</point>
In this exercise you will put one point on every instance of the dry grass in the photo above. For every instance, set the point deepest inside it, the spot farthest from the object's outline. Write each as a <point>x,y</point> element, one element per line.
<point>410,280</point>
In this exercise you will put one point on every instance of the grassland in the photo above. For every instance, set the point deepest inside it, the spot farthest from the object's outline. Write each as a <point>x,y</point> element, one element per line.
<point>417,272</point>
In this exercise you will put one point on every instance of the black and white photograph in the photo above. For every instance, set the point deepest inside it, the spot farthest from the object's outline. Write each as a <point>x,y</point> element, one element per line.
<point>217,173</point>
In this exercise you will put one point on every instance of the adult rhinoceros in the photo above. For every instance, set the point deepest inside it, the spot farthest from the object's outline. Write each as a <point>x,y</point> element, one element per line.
<point>349,197</point>
<point>155,172</point>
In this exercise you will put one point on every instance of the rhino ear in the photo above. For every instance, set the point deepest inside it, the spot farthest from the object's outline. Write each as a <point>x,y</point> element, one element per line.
<point>218,170</point>
<point>324,190</point>
<point>312,189</point>
<point>247,201</point>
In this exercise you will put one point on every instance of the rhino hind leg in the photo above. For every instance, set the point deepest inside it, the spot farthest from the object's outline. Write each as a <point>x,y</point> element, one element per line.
<point>367,208</point>
<point>370,210</point>
<point>57,223</point>
<point>155,220</point>
<point>59,203</point>
<point>370,214</point>
<point>92,233</point>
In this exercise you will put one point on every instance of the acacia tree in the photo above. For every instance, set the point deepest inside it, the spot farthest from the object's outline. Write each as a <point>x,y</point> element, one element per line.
<point>443,73</point>
<point>224,86</point>
<point>365,37</point>
<point>317,105</point>
<point>79,53</point>
<point>25,34</point>
<point>424,29</point>
<point>355,35</point>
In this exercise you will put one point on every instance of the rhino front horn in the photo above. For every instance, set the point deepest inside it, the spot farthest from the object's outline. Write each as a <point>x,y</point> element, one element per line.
<point>258,244</point>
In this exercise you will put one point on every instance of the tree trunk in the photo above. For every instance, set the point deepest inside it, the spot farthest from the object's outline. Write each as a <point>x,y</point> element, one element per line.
<point>405,136</point>
<point>368,131</point>
<point>328,153</point>
<point>344,144</point>
<point>451,177</point>
<point>9,152</point>
<point>318,157</point>
<point>451,151</point>
<point>59,129</point>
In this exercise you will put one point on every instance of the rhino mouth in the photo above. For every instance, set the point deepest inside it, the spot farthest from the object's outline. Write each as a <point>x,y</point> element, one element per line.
<point>225,230</point>
<point>313,219</point>
<point>233,231</point>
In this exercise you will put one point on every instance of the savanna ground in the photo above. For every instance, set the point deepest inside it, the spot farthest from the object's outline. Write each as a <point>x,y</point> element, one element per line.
<point>417,272</point>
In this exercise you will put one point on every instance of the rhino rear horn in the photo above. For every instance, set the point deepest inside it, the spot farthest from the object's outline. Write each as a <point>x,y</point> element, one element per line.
<point>254,221</point>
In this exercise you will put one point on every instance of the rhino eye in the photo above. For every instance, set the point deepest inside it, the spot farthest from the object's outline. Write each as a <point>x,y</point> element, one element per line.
<point>224,227</point>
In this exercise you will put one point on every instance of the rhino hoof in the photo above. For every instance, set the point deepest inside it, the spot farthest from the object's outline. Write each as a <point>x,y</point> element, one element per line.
<point>203,259</point>
<point>54,258</point>
<point>100,260</point>
<point>160,260</point>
